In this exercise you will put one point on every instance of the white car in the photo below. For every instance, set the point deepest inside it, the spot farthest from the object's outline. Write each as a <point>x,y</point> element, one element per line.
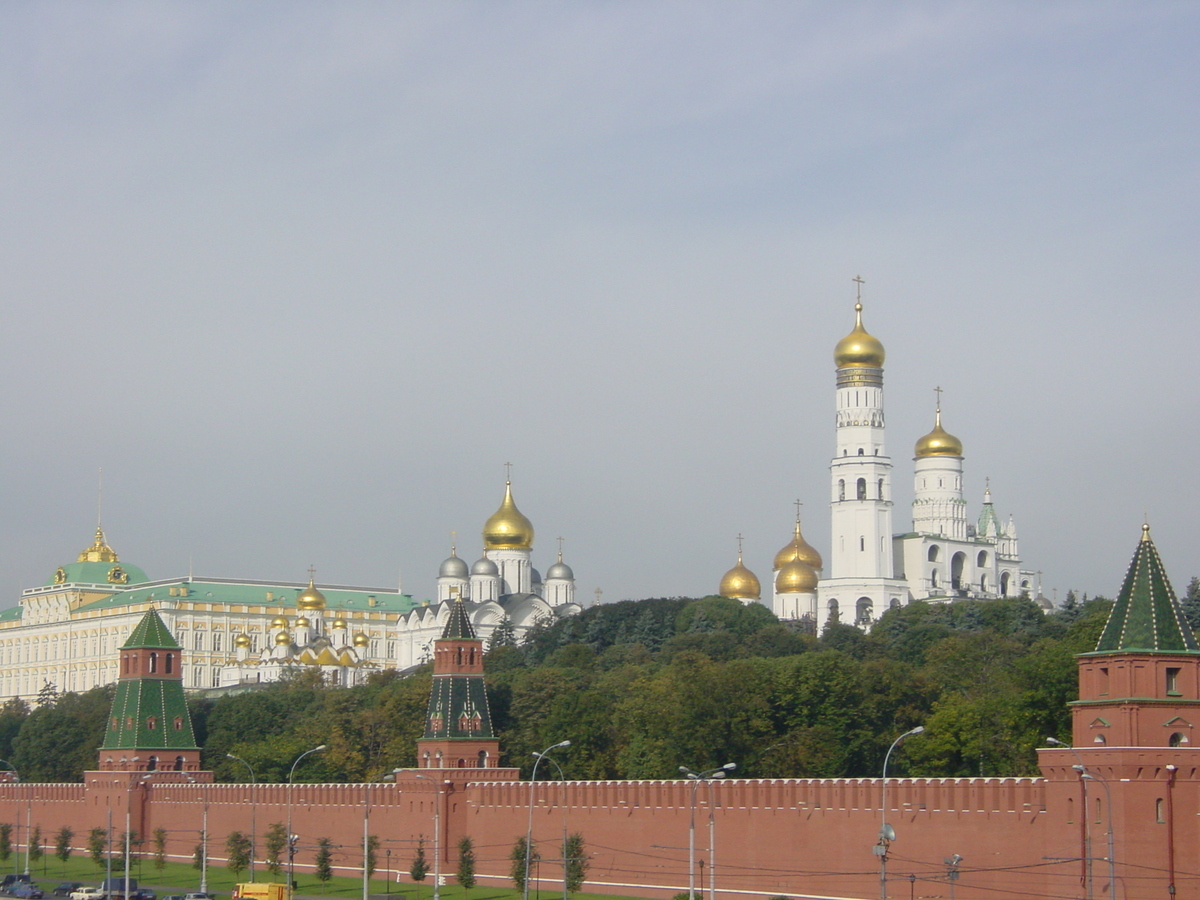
<point>88,893</point>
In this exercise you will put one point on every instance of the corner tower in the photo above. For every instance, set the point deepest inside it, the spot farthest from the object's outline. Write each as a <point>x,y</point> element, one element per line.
<point>861,583</point>
<point>458,728</point>
<point>149,727</point>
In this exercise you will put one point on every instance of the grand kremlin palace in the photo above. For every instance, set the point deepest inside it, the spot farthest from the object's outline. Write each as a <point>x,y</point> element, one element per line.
<point>238,633</point>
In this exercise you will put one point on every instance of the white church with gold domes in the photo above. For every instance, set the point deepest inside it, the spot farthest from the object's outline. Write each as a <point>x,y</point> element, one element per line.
<point>871,567</point>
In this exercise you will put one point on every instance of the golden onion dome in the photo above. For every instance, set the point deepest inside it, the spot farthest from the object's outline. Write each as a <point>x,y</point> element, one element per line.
<point>242,640</point>
<point>798,548</point>
<point>796,577</point>
<point>361,640</point>
<point>858,348</point>
<point>508,529</point>
<point>279,622</point>
<point>283,638</point>
<point>302,622</point>
<point>938,442</point>
<point>338,623</point>
<point>740,583</point>
<point>310,597</point>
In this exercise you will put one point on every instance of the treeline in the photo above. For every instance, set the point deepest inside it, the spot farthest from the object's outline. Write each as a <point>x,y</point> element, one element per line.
<point>643,687</point>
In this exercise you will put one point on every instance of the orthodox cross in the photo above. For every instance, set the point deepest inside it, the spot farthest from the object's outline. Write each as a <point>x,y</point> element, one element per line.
<point>559,539</point>
<point>508,471</point>
<point>311,573</point>
<point>858,280</point>
<point>798,505</point>
<point>598,593</point>
<point>453,543</point>
<point>739,547</point>
<point>938,391</point>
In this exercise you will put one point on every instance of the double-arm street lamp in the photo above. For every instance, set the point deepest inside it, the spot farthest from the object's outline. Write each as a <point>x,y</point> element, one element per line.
<point>563,782</point>
<point>437,834</point>
<point>125,892</point>
<point>387,776</point>
<point>529,829</point>
<point>291,837</point>
<point>253,811</point>
<point>886,833</point>
<point>204,834</point>
<point>1086,776</point>
<point>1086,821</point>
<point>696,778</point>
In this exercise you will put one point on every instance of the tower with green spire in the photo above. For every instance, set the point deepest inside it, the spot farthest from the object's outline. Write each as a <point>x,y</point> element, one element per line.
<point>458,727</point>
<point>149,728</point>
<point>1140,687</point>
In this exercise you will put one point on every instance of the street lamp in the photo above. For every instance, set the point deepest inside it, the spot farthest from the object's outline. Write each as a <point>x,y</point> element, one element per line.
<point>253,811</point>
<point>1112,875</point>
<point>204,835</point>
<point>696,778</point>
<point>1085,821</point>
<point>529,828</point>
<point>17,779</point>
<point>292,837</point>
<point>128,825</point>
<point>387,776</point>
<point>886,833</point>
<point>563,779</point>
<point>437,836</point>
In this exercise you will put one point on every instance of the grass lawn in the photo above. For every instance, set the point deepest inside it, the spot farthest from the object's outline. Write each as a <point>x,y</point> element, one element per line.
<point>178,878</point>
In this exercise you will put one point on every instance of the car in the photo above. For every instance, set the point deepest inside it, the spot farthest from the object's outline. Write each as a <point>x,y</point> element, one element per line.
<point>10,880</point>
<point>88,893</point>
<point>143,894</point>
<point>65,889</point>
<point>26,891</point>
<point>197,895</point>
<point>173,897</point>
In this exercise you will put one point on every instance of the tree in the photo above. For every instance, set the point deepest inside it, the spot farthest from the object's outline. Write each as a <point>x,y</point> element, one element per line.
<point>575,861</point>
<point>48,695</point>
<point>324,868</point>
<point>160,848</point>
<point>36,851</point>
<point>1190,602</point>
<point>503,635</point>
<point>276,842</point>
<point>97,846</point>
<point>466,863</point>
<point>62,843</point>
<point>237,848</point>
<point>5,841</point>
<point>516,871</point>
<point>420,866</point>
<point>372,854</point>
<point>198,856</point>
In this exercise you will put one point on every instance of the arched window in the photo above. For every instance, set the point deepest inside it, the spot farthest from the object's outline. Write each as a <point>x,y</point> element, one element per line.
<point>841,488</point>
<point>1178,739</point>
<point>860,452</point>
<point>179,764</point>
<point>983,583</point>
<point>981,561</point>
<point>483,759</point>
<point>862,489</point>
<point>934,550</point>
<point>863,611</point>
<point>933,579</point>
<point>153,663</point>
<point>957,562</point>
<point>1099,739</point>
<point>880,488</point>
<point>1004,584</point>
<point>170,663</point>
<point>152,764</point>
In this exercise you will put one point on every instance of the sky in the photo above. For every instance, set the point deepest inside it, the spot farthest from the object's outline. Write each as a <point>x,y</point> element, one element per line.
<point>302,277</point>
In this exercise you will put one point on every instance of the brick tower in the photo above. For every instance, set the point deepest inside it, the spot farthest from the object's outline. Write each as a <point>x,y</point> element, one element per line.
<point>458,730</point>
<point>149,728</point>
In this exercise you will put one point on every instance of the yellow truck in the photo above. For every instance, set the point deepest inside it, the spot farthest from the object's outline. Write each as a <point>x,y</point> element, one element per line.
<point>261,891</point>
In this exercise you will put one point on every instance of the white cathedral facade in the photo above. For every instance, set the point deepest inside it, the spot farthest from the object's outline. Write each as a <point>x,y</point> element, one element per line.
<point>239,633</point>
<point>871,567</point>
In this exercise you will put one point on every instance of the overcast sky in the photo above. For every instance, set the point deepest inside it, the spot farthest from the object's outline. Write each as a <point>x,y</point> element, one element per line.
<point>302,277</point>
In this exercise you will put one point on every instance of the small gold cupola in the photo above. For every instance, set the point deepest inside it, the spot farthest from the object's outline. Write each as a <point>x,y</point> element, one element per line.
<point>99,551</point>
<point>796,577</point>
<point>938,442</point>
<point>310,597</point>
<point>798,548</point>
<point>507,528</point>
<point>859,348</point>
<point>739,583</point>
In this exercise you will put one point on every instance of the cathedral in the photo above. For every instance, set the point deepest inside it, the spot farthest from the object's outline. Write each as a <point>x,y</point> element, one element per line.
<point>873,568</point>
<point>64,635</point>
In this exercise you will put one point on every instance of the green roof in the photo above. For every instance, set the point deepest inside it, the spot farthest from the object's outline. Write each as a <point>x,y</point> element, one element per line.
<point>252,594</point>
<point>149,714</point>
<point>1147,617</point>
<point>458,626</point>
<point>117,574</point>
<point>151,632</point>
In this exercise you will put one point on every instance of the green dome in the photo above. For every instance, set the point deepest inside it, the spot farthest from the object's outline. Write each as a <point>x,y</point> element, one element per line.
<point>114,573</point>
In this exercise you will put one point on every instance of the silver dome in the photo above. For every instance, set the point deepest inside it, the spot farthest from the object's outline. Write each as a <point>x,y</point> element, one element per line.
<point>561,571</point>
<point>535,576</point>
<point>453,567</point>
<point>485,567</point>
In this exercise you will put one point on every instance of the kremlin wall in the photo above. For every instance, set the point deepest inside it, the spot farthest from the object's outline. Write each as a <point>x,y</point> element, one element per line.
<point>1132,783</point>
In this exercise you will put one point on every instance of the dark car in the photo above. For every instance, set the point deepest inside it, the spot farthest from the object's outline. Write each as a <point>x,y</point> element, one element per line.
<point>26,891</point>
<point>143,894</point>
<point>10,880</point>
<point>65,889</point>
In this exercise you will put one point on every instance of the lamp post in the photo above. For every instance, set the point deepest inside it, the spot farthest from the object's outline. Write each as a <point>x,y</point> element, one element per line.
<point>291,837</point>
<point>886,833</point>
<point>17,779</point>
<point>1085,821</point>
<point>253,811</point>
<point>437,836</point>
<point>1112,873</point>
<point>696,778</point>
<point>387,776</point>
<point>563,779</point>
<point>128,825</point>
<point>529,828</point>
<point>204,835</point>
